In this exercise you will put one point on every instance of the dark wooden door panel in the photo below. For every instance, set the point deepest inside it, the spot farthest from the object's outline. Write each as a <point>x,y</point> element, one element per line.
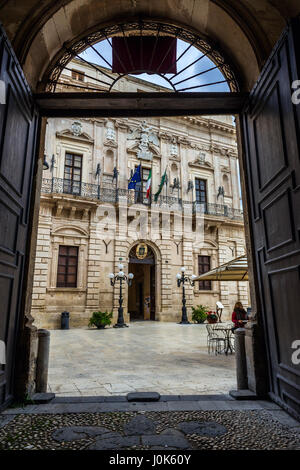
<point>272,137</point>
<point>18,134</point>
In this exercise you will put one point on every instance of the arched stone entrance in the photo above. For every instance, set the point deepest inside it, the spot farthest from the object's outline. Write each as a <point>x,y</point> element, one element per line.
<point>248,35</point>
<point>141,296</point>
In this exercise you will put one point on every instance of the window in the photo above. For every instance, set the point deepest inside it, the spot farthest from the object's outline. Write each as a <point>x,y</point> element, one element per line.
<point>67,266</point>
<point>79,76</point>
<point>200,188</point>
<point>72,173</point>
<point>204,267</point>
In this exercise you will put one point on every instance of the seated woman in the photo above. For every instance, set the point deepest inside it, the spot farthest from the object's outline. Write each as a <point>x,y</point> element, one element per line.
<point>239,315</point>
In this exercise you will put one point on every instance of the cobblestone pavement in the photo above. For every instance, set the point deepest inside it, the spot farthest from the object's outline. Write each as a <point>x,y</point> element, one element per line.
<point>148,356</point>
<point>214,430</point>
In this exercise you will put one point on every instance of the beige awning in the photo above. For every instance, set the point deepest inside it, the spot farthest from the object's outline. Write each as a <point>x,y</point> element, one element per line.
<point>234,270</point>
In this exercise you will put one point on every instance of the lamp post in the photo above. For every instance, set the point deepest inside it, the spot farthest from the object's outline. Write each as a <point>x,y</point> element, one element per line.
<point>120,276</point>
<point>182,279</point>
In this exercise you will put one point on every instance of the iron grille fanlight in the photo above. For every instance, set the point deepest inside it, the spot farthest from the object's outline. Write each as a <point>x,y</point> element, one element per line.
<point>194,52</point>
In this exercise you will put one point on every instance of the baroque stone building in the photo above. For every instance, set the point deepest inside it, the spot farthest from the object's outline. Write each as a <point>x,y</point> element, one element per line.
<point>90,222</point>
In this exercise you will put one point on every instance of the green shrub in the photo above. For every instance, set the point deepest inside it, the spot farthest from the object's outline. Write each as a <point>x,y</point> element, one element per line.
<point>100,319</point>
<point>199,314</point>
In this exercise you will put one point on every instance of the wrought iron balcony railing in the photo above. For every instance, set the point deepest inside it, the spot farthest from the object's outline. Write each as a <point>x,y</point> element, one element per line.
<point>221,210</point>
<point>130,197</point>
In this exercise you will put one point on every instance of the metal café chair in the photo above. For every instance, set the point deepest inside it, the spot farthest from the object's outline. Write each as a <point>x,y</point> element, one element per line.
<point>215,342</point>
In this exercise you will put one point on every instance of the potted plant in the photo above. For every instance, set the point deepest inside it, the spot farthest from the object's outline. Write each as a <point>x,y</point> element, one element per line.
<point>100,319</point>
<point>212,317</point>
<point>199,314</point>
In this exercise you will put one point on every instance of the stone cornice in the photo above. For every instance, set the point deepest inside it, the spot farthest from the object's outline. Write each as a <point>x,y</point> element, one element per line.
<point>198,164</point>
<point>210,123</point>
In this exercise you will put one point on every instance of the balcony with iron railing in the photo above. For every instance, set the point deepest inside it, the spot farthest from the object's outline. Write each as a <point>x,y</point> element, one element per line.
<point>130,197</point>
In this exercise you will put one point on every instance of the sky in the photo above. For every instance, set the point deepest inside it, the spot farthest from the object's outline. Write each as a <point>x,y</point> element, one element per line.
<point>193,53</point>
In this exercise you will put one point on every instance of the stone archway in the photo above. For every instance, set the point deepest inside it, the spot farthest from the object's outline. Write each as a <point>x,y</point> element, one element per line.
<point>250,33</point>
<point>39,31</point>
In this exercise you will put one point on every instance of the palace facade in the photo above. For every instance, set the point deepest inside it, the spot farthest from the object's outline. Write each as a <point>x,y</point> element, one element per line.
<point>90,221</point>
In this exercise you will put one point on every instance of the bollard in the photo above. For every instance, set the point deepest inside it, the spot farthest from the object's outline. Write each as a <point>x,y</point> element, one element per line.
<point>240,354</point>
<point>42,361</point>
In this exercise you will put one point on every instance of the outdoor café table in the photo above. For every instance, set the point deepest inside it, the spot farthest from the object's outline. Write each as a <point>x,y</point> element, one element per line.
<point>227,330</point>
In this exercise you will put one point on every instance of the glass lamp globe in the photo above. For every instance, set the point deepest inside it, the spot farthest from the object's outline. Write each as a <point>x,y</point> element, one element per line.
<point>121,273</point>
<point>193,277</point>
<point>111,275</point>
<point>183,269</point>
<point>121,266</point>
<point>178,276</point>
<point>130,276</point>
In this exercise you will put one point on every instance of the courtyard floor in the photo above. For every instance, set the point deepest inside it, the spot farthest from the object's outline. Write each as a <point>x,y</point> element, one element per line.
<point>148,356</point>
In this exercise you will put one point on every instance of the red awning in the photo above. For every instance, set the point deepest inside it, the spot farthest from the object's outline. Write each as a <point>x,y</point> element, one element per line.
<point>138,54</point>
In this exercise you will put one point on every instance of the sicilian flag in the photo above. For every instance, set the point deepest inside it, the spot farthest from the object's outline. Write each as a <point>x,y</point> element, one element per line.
<point>148,185</point>
<point>162,182</point>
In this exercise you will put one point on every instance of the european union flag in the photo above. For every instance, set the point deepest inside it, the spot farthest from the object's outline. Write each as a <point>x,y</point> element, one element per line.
<point>136,178</point>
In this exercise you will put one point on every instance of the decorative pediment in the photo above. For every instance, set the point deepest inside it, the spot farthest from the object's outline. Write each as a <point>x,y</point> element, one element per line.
<point>110,143</point>
<point>68,134</point>
<point>174,158</point>
<point>150,153</point>
<point>225,169</point>
<point>200,163</point>
<point>70,230</point>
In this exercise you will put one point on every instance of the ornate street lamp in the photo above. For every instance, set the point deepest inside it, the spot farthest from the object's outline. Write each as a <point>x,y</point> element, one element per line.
<point>181,279</point>
<point>121,276</point>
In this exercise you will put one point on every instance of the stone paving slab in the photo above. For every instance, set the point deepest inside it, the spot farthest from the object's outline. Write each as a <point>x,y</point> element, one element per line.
<point>73,433</point>
<point>140,425</point>
<point>181,405</point>
<point>284,418</point>
<point>163,398</point>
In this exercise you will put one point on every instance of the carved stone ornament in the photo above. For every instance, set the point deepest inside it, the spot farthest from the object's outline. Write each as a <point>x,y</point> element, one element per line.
<point>110,132</point>
<point>76,128</point>
<point>141,251</point>
<point>174,147</point>
<point>145,136</point>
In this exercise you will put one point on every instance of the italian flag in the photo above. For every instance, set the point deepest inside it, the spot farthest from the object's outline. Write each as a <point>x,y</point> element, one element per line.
<point>148,185</point>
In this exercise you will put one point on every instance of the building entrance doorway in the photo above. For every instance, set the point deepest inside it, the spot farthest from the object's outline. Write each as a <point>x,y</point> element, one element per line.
<point>141,295</point>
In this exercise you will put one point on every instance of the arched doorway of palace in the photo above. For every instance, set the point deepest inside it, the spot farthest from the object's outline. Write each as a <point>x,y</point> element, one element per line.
<point>141,295</point>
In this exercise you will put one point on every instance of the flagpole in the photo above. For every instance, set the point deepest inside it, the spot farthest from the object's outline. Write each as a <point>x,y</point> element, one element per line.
<point>166,182</point>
